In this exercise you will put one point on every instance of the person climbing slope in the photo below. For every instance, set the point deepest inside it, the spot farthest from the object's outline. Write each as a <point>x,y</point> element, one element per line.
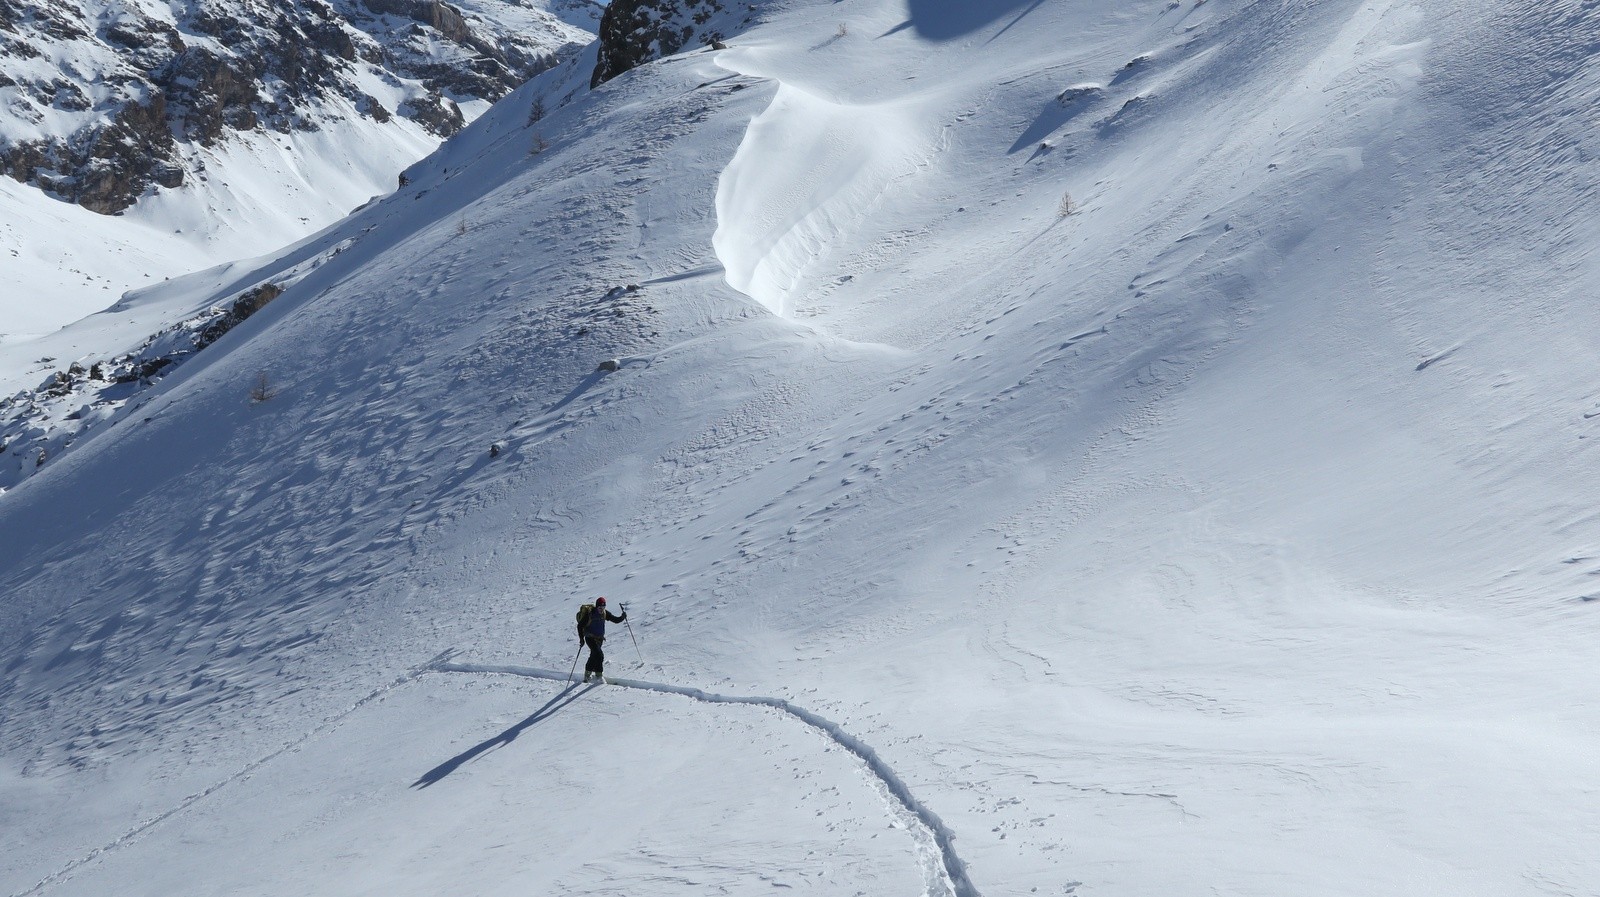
<point>592,632</point>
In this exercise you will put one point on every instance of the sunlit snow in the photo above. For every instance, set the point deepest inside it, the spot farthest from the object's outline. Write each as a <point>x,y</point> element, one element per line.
<point>1059,447</point>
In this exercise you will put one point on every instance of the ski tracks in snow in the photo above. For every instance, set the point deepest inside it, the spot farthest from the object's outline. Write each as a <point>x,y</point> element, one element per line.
<point>943,869</point>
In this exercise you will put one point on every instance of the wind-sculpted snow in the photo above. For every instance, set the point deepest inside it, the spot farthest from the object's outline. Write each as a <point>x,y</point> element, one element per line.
<point>810,169</point>
<point>952,871</point>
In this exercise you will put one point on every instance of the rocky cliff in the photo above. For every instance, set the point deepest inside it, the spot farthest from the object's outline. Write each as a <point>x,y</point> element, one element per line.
<point>634,32</point>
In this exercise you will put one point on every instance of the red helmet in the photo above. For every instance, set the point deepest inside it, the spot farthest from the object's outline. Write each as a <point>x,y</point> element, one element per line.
<point>600,602</point>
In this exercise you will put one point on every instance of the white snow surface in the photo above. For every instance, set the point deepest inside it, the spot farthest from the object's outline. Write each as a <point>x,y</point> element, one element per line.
<point>1234,533</point>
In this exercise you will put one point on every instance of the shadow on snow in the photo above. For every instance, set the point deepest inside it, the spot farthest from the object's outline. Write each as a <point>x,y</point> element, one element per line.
<point>555,705</point>
<point>950,19</point>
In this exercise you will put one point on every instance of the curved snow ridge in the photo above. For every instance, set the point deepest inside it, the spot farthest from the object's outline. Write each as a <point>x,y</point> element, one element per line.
<point>808,171</point>
<point>955,872</point>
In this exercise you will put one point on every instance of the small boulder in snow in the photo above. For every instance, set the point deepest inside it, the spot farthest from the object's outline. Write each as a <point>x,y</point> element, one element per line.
<point>1077,92</point>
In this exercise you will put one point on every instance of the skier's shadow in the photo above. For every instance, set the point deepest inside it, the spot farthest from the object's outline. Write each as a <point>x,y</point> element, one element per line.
<point>555,705</point>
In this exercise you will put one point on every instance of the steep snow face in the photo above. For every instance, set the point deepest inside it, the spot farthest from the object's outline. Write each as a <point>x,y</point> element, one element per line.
<point>810,169</point>
<point>217,130</point>
<point>1151,444</point>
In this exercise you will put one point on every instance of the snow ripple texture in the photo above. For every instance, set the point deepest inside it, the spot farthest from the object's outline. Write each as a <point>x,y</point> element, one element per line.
<point>327,725</point>
<point>948,873</point>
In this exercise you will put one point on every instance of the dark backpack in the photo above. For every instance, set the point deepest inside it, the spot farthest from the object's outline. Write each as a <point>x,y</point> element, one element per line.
<point>584,613</point>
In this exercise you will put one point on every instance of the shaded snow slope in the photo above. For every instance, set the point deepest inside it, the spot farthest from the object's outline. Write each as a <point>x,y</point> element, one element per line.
<point>1160,432</point>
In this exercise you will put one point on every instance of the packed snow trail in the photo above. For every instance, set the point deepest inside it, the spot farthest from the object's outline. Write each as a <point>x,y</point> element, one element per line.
<point>952,870</point>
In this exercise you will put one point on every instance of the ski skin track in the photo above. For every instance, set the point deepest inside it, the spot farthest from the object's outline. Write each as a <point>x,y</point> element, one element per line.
<point>954,869</point>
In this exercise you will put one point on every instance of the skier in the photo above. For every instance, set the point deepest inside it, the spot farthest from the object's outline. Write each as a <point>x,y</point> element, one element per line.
<point>592,632</point>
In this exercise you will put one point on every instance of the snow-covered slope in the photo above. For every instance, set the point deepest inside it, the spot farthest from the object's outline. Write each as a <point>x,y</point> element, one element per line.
<point>62,262</point>
<point>1055,447</point>
<point>216,129</point>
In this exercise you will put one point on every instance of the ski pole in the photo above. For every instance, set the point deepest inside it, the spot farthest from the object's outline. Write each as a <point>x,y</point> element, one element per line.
<point>631,635</point>
<point>574,670</point>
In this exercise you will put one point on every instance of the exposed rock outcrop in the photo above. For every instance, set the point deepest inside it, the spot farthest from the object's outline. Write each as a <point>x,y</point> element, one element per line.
<point>40,424</point>
<point>634,32</point>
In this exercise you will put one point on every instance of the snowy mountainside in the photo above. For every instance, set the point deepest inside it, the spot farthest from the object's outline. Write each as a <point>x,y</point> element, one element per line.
<point>1153,440</point>
<point>214,130</point>
<point>104,97</point>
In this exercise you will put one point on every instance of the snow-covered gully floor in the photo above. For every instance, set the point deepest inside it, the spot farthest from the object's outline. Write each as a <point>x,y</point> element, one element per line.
<point>945,870</point>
